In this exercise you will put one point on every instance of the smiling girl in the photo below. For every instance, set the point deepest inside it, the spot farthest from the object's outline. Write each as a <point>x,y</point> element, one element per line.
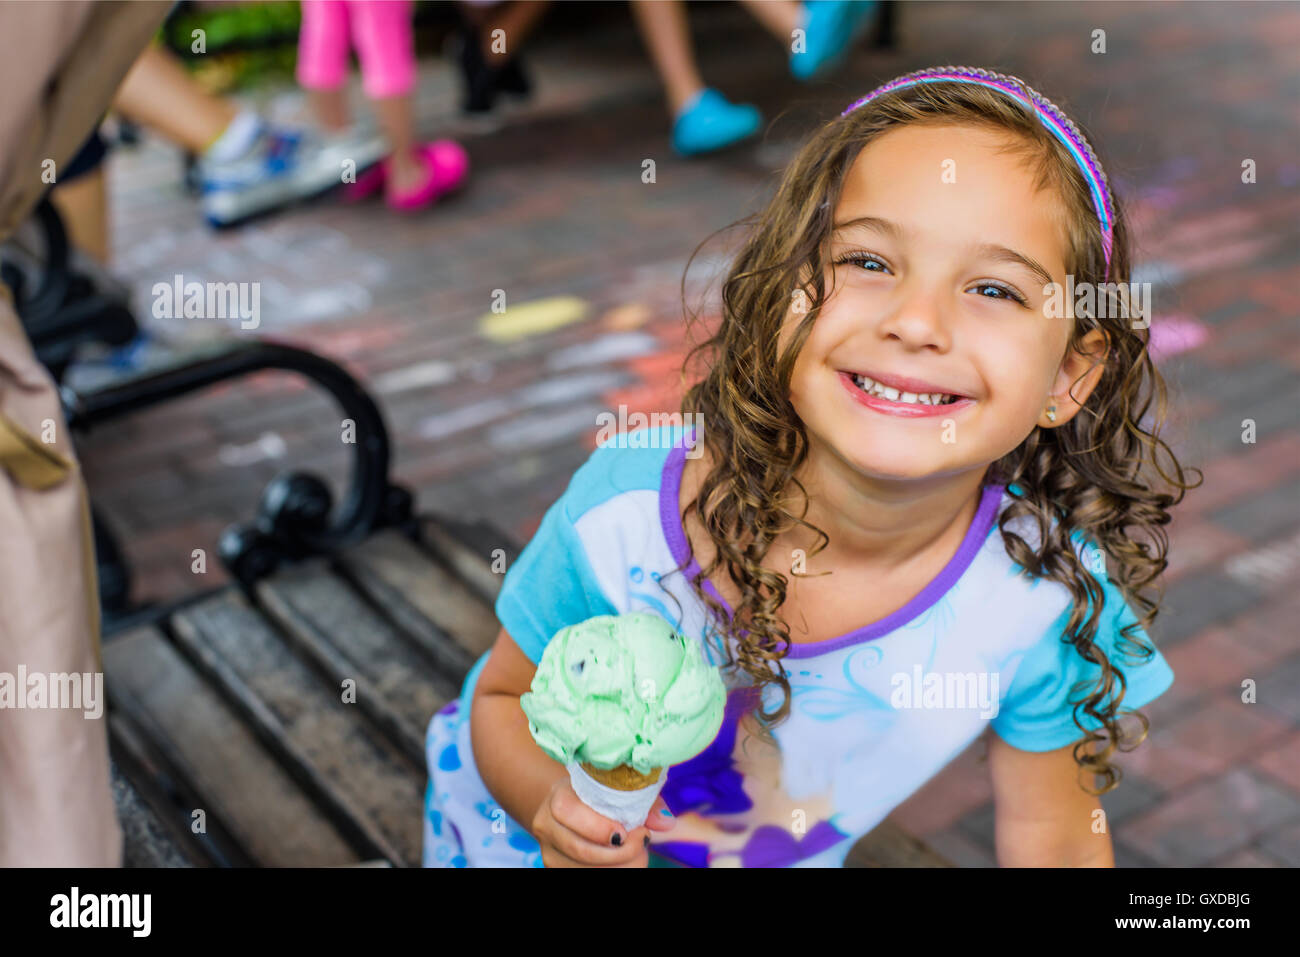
<point>913,481</point>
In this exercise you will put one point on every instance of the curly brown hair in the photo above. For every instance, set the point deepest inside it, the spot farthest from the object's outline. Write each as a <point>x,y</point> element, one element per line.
<point>1088,474</point>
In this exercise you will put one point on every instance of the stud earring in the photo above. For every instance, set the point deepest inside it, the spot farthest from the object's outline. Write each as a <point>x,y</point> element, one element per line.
<point>1051,413</point>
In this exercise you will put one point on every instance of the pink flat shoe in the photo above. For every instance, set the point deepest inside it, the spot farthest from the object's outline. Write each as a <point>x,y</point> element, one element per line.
<point>447,164</point>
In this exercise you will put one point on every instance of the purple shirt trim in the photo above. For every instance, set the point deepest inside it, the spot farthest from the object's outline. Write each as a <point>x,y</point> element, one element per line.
<point>679,547</point>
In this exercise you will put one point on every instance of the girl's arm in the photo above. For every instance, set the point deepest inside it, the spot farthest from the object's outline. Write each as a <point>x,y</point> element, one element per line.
<point>515,770</point>
<point>1043,817</point>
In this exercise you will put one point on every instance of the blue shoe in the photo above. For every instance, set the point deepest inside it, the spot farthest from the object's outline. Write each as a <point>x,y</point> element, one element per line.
<point>831,28</point>
<point>709,122</point>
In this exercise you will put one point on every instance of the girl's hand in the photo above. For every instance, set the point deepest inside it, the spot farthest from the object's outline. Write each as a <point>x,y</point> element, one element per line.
<point>573,835</point>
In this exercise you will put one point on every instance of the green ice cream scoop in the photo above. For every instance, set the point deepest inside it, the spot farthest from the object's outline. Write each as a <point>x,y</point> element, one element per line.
<point>624,689</point>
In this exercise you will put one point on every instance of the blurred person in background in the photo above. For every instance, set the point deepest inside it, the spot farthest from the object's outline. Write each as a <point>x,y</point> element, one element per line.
<point>491,68</point>
<point>413,175</point>
<point>246,166</point>
<point>703,119</point>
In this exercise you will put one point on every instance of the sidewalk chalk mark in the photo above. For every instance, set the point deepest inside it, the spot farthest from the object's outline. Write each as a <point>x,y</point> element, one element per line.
<point>606,348</point>
<point>421,375</point>
<point>532,318</point>
<point>629,315</point>
<point>1176,333</point>
<point>560,391</point>
<point>269,445</point>
<point>1270,565</point>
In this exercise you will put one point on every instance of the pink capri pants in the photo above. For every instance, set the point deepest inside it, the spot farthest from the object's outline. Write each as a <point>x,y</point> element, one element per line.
<point>380,30</point>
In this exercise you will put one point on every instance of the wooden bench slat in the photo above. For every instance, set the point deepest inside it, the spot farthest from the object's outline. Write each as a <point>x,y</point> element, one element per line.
<point>171,795</point>
<point>438,611</point>
<point>146,841</point>
<point>366,785</point>
<point>243,789</point>
<point>470,549</point>
<point>328,622</point>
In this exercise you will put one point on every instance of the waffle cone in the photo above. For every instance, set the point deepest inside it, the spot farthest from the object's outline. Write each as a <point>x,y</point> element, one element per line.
<point>624,777</point>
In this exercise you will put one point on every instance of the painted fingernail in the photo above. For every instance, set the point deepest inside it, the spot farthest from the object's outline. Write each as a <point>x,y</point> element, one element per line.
<point>645,841</point>
<point>617,840</point>
<point>665,812</point>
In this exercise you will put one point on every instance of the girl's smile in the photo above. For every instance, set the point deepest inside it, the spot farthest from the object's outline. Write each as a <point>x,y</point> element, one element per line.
<point>875,395</point>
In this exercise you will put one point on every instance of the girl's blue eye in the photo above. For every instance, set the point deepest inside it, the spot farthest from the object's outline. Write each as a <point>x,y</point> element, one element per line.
<point>1009,294</point>
<point>861,259</point>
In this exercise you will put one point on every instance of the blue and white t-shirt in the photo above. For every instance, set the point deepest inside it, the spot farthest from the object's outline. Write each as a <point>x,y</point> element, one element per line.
<point>874,713</point>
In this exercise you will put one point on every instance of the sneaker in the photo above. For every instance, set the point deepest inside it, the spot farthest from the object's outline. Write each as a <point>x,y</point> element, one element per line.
<point>364,150</point>
<point>359,146</point>
<point>280,168</point>
<point>710,122</point>
<point>831,28</point>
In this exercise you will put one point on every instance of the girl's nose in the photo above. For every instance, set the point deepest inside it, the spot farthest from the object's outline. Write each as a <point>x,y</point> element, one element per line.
<point>918,321</point>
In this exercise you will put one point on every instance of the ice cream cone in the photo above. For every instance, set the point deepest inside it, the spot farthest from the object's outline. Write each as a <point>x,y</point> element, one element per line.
<point>624,777</point>
<point>608,792</point>
<point>628,689</point>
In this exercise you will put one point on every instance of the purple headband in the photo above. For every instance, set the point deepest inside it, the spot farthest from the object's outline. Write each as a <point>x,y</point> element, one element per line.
<point>1055,120</point>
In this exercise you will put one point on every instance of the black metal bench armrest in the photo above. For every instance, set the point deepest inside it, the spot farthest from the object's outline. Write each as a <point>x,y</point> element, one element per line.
<point>296,517</point>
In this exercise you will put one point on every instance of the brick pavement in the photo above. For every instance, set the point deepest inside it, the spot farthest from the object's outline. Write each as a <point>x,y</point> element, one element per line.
<point>492,425</point>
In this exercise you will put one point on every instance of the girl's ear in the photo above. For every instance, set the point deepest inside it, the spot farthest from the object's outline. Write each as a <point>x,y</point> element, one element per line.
<point>1080,371</point>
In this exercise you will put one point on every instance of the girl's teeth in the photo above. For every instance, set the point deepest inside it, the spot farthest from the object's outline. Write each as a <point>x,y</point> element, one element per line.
<point>871,387</point>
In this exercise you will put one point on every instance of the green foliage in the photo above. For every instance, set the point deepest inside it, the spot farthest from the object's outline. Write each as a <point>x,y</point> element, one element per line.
<point>235,26</point>
<point>244,44</point>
